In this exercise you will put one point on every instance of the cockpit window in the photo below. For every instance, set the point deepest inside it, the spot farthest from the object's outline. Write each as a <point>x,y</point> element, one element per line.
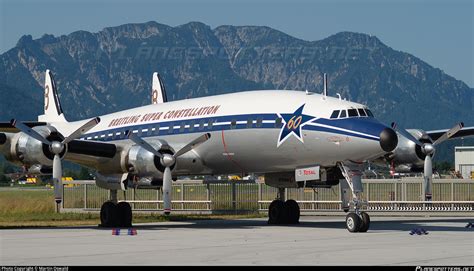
<point>369,113</point>
<point>353,113</point>
<point>362,112</point>
<point>343,114</point>
<point>334,114</point>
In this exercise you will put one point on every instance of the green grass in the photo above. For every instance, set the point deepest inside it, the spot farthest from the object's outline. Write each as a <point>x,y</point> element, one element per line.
<point>36,208</point>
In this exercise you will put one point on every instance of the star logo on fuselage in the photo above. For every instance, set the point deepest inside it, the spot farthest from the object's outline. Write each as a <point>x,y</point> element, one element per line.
<point>293,124</point>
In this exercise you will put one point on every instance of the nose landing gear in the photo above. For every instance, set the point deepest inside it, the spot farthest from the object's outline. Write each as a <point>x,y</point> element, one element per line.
<point>356,221</point>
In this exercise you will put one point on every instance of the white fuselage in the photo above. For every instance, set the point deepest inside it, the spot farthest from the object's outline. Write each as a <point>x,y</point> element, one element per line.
<point>253,131</point>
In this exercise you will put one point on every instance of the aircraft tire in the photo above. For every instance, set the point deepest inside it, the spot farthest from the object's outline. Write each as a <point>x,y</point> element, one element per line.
<point>293,211</point>
<point>365,222</point>
<point>353,222</point>
<point>125,214</point>
<point>277,213</point>
<point>109,214</point>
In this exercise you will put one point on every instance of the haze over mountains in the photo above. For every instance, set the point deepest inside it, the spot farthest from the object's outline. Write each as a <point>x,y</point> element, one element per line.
<point>102,72</point>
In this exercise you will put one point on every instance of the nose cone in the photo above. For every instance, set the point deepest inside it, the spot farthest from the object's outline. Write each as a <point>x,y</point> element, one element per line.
<point>388,139</point>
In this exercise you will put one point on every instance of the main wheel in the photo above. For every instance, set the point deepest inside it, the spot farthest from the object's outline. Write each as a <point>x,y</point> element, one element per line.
<point>125,214</point>
<point>293,211</point>
<point>353,222</point>
<point>109,215</point>
<point>277,213</point>
<point>365,222</point>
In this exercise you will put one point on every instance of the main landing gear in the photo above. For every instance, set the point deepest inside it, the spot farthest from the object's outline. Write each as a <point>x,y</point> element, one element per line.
<point>283,212</point>
<point>113,214</point>
<point>356,221</point>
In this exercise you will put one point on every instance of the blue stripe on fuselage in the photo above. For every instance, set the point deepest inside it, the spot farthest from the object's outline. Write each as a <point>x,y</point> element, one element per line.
<point>366,125</point>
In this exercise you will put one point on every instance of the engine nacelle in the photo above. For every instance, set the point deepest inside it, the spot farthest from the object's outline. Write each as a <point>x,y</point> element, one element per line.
<point>25,150</point>
<point>408,153</point>
<point>327,177</point>
<point>112,181</point>
<point>140,162</point>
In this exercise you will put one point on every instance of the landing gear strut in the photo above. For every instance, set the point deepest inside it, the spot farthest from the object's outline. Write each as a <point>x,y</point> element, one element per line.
<point>283,212</point>
<point>113,214</point>
<point>356,221</point>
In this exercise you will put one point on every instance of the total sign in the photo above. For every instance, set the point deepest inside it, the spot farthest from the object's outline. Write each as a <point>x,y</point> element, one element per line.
<point>307,174</point>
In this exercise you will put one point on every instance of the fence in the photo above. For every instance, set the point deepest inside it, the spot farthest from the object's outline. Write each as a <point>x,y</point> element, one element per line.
<point>381,195</point>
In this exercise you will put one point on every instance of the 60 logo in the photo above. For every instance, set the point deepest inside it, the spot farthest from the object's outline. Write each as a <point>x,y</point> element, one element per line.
<point>294,123</point>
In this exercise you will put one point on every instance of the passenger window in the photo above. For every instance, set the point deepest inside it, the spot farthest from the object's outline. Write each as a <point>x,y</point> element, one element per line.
<point>362,112</point>
<point>233,124</point>
<point>191,126</point>
<point>170,128</point>
<point>259,122</point>
<point>209,124</point>
<point>157,129</point>
<point>181,129</point>
<point>278,123</point>
<point>201,125</point>
<point>334,114</point>
<point>353,113</point>
<point>249,123</point>
<point>343,114</point>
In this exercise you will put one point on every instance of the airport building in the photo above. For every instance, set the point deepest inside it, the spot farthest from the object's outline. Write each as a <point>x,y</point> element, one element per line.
<point>464,161</point>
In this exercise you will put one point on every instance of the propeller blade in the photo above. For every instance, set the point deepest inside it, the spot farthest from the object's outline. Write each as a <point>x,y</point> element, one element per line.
<point>428,177</point>
<point>143,144</point>
<point>406,134</point>
<point>82,130</point>
<point>57,178</point>
<point>30,132</point>
<point>167,191</point>
<point>193,144</point>
<point>449,133</point>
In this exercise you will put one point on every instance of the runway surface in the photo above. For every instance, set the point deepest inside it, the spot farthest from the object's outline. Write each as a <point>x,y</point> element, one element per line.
<point>316,241</point>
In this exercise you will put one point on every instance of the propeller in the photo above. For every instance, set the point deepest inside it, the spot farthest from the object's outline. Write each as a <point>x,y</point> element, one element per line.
<point>56,147</point>
<point>428,150</point>
<point>168,160</point>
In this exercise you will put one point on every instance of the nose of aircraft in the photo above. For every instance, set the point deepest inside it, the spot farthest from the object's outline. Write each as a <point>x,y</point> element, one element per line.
<point>388,139</point>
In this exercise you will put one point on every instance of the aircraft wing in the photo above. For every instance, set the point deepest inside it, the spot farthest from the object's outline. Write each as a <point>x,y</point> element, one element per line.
<point>466,131</point>
<point>7,127</point>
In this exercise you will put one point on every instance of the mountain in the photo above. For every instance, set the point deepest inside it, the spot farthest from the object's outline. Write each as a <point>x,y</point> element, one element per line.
<point>102,72</point>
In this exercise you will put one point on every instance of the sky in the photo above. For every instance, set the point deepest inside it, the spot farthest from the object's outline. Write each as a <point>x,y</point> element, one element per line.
<point>440,32</point>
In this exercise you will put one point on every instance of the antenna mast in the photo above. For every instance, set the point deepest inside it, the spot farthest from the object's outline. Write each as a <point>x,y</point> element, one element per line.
<point>325,91</point>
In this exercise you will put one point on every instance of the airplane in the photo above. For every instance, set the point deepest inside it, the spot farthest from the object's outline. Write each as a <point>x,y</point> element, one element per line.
<point>293,138</point>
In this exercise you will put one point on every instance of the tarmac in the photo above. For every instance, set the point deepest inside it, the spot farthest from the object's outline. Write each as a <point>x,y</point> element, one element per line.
<point>315,241</point>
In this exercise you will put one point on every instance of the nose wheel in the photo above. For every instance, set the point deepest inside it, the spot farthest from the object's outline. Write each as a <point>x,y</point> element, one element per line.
<point>357,223</point>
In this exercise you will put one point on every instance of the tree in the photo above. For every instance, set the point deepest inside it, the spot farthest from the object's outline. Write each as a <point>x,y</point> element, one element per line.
<point>84,174</point>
